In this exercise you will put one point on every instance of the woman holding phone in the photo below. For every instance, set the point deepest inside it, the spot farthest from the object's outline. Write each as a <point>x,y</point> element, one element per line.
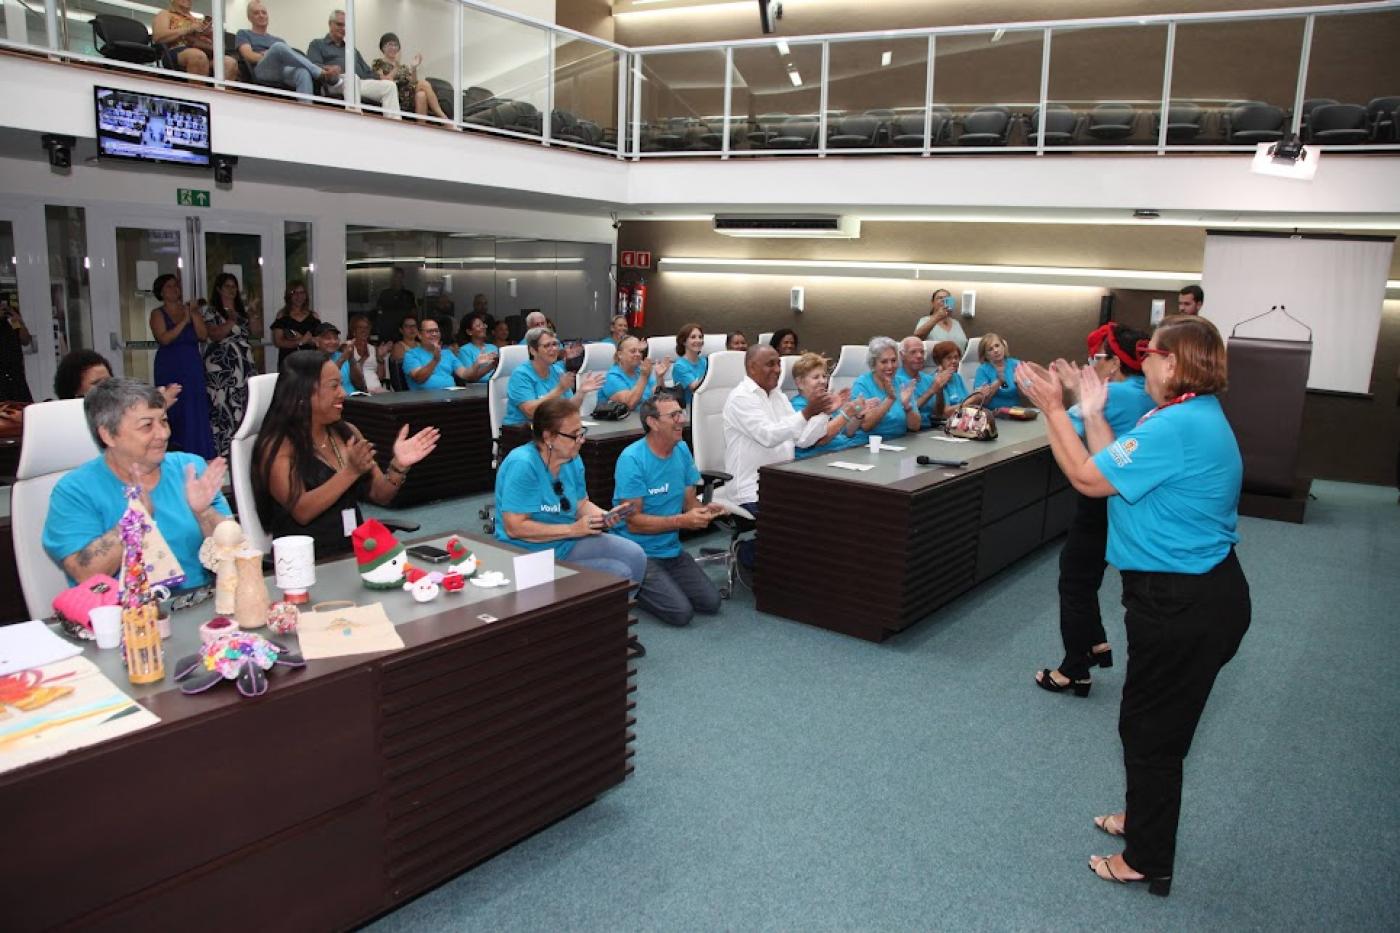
<point>543,502</point>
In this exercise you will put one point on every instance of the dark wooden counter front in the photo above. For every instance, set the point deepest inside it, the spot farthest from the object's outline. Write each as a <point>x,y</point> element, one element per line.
<point>351,786</point>
<point>870,553</point>
<point>461,465</point>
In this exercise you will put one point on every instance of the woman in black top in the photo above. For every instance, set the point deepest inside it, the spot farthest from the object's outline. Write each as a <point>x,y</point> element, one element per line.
<point>296,323</point>
<point>311,467</point>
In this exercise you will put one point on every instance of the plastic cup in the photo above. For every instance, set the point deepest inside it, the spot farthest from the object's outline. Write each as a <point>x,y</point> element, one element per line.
<point>107,625</point>
<point>874,443</point>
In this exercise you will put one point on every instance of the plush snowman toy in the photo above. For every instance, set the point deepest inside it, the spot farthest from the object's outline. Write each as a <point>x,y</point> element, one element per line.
<point>460,557</point>
<point>380,556</point>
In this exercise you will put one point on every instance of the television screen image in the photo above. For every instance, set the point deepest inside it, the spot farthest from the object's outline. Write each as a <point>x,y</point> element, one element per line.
<point>148,128</point>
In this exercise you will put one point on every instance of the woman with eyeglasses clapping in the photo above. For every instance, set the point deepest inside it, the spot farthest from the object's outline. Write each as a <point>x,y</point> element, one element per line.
<point>543,500</point>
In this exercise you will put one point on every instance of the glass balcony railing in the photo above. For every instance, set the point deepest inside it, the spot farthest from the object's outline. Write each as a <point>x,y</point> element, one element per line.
<point>1162,84</point>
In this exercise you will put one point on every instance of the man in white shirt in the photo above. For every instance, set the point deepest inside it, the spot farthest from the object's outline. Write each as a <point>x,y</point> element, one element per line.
<point>761,427</point>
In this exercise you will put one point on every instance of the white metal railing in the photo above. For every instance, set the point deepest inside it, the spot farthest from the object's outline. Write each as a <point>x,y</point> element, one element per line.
<point>606,98</point>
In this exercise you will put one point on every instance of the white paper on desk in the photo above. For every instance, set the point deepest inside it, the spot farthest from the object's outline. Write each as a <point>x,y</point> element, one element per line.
<point>845,465</point>
<point>456,388</point>
<point>589,424</point>
<point>32,644</point>
<point>884,446</point>
<point>534,568</point>
<point>950,440</point>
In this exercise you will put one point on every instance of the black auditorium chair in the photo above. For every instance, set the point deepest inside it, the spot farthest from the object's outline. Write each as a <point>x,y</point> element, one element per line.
<point>1060,125</point>
<point>668,136</point>
<point>1251,124</point>
<point>853,132</point>
<point>986,126</point>
<point>1309,105</point>
<point>1381,111</point>
<point>701,136</point>
<point>1183,121</point>
<point>475,100</point>
<point>1338,125</point>
<point>1111,122</point>
<point>796,133</point>
<point>523,117</point>
<point>906,131</point>
<point>124,40</point>
<point>766,128</point>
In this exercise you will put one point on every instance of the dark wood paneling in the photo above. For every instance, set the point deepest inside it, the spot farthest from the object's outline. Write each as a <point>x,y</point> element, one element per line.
<point>1007,540</point>
<point>12,606</point>
<point>460,465</point>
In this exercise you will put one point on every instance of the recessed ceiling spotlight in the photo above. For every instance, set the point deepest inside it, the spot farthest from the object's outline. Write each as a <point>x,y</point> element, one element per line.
<point>1146,213</point>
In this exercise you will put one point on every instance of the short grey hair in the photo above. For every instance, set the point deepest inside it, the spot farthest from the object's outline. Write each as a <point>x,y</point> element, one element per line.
<point>648,408</point>
<point>334,14</point>
<point>536,315</point>
<point>878,345</point>
<point>532,338</point>
<point>905,341</point>
<point>108,402</point>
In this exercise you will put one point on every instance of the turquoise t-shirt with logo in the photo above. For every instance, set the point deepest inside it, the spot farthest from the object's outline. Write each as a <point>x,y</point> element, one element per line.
<point>661,484</point>
<point>894,423</point>
<point>524,487</point>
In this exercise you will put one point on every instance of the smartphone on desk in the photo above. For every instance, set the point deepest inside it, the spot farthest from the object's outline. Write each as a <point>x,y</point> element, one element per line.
<point>433,555</point>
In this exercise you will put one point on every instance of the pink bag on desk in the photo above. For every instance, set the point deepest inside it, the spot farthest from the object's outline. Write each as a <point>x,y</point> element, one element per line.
<point>74,603</point>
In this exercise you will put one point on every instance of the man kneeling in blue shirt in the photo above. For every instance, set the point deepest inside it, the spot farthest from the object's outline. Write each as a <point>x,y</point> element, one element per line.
<point>657,475</point>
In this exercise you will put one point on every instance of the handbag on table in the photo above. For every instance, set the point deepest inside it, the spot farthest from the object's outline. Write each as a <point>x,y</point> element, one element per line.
<point>971,421</point>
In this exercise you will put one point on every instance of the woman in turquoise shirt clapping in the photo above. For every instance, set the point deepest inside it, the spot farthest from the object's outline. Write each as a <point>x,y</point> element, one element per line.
<point>894,414</point>
<point>633,378</point>
<point>843,418</point>
<point>998,369</point>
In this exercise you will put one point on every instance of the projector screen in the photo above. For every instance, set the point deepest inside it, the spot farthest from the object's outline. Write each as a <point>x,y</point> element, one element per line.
<point>1332,283</point>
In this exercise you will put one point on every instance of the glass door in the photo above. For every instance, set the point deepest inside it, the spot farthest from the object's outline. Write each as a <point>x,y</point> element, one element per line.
<point>30,331</point>
<point>242,250</point>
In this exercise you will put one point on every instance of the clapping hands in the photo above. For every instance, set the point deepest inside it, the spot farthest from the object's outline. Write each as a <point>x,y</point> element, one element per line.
<point>1041,386</point>
<point>201,490</point>
<point>591,382</point>
<point>410,450</point>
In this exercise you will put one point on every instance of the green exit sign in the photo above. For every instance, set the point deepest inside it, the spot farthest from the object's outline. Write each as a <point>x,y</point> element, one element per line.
<point>192,197</point>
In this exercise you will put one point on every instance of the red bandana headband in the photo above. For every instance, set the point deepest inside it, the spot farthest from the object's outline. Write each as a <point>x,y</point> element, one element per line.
<point>1108,334</point>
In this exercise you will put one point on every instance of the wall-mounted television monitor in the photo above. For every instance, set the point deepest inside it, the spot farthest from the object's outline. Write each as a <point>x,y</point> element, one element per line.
<point>149,128</point>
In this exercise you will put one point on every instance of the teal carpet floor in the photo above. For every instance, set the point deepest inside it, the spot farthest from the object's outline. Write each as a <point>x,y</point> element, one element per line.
<point>791,779</point>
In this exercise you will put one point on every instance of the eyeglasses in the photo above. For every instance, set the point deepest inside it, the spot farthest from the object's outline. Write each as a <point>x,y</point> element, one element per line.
<point>1097,357</point>
<point>563,499</point>
<point>582,433</point>
<point>677,416</point>
<point>1144,351</point>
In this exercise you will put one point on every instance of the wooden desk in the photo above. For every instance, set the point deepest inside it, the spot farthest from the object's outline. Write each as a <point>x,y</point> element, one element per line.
<point>460,465</point>
<point>351,786</point>
<point>606,442</point>
<point>869,554</point>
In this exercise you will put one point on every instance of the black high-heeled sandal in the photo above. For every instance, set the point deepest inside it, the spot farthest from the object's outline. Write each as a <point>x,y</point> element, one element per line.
<point>1160,886</point>
<point>1102,658</point>
<point>1046,682</point>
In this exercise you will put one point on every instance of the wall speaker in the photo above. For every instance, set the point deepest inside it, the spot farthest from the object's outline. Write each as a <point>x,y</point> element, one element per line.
<point>797,299</point>
<point>969,304</point>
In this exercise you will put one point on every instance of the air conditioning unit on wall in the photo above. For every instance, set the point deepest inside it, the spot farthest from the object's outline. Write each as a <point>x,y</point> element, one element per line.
<point>833,226</point>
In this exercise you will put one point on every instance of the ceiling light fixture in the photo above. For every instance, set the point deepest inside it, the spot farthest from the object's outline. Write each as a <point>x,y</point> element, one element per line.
<point>885,58</point>
<point>783,48</point>
<point>795,78</point>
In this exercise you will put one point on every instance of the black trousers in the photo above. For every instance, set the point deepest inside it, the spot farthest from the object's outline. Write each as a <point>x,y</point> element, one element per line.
<point>1081,574</point>
<point>1182,629</point>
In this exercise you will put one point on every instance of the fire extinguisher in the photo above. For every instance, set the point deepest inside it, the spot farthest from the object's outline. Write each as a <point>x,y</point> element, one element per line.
<point>637,319</point>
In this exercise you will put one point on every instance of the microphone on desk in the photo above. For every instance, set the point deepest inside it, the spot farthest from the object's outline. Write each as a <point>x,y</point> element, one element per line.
<point>923,460</point>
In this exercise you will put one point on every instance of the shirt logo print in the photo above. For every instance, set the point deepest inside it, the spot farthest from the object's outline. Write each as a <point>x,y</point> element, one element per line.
<point>1122,451</point>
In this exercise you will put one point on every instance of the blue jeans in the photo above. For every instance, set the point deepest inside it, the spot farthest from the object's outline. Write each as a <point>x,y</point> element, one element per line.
<point>611,554</point>
<point>676,588</point>
<point>283,64</point>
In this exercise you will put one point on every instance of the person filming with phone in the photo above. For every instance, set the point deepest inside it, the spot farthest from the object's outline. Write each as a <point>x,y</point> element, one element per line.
<point>542,501</point>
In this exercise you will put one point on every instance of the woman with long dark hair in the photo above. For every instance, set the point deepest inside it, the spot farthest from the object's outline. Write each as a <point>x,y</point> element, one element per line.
<point>295,326</point>
<point>1173,489</point>
<point>310,467</point>
<point>228,359</point>
<point>178,328</point>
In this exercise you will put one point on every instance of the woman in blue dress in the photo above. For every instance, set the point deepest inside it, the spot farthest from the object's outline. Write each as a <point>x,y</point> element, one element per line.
<point>1173,489</point>
<point>179,331</point>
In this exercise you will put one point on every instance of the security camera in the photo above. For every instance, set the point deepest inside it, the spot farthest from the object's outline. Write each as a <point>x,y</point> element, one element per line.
<point>223,169</point>
<point>60,149</point>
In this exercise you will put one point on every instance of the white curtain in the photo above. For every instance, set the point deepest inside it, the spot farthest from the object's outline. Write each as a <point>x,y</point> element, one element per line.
<point>1333,284</point>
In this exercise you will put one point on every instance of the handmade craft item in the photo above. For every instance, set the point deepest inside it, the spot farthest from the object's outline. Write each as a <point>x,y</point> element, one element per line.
<point>460,558</point>
<point>145,660</point>
<point>294,566</point>
<point>282,617</point>
<point>335,629</point>
<point>218,553</point>
<point>73,605</point>
<point>489,579</point>
<point>425,589</point>
<point>242,657</point>
<point>250,603</point>
<point>379,555</point>
<point>454,582</point>
<point>159,560</point>
<point>217,627</point>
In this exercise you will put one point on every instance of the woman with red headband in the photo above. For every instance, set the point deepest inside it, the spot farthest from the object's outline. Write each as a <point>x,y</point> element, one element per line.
<point>1113,355</point>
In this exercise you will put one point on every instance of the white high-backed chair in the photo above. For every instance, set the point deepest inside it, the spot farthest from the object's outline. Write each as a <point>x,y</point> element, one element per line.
<point>849,366</point>
<point>726,371</point>
<point>928,354</point>
<point>766,337</point>
<point>660,348</point>
<point>597,358</point>
<point>786,383</point>
<point>56,440</point>
<point>970,362</point>
<point>240,460</point>
<point>714,343</point>
<point>511,357</point>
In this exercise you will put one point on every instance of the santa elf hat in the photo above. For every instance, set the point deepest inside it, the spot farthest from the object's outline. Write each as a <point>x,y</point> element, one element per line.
<point>457,550</point>
<point>375,545</point>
